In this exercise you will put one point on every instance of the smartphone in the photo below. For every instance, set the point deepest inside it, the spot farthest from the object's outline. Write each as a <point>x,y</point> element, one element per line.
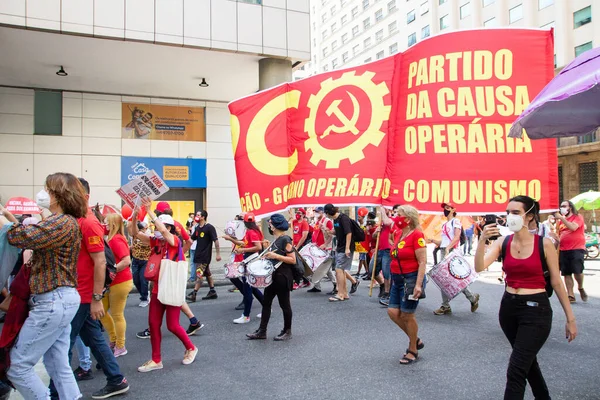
<point>412,297</point>
<point>489,220</point>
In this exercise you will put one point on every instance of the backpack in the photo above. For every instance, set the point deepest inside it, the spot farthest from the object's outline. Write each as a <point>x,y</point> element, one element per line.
<point>358,233</point>
<point>111,266</point>
<point>549,288</point>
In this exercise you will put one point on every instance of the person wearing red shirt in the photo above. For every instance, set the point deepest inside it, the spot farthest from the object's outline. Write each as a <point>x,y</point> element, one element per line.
<point>323,233</point>
<point>571,231</point>
<point>408,262</point>
<point>363,248</point>
<point>116,297</point>
<point>301,229</point>
<point>382,260</point>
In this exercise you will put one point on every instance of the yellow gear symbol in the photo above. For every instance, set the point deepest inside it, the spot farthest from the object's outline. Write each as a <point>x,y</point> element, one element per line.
<point>372,135</point>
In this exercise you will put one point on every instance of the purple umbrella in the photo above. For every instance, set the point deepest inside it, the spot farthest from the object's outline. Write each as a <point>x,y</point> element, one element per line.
<point>568,105</point>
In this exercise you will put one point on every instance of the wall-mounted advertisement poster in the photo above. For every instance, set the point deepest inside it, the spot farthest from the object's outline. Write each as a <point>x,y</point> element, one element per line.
<point>161,122</point>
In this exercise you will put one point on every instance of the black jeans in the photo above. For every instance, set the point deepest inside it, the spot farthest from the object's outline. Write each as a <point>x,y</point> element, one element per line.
<point>248,292</point>
<point>138,267</point>
<point>280,288</point>
<point>526,321</point>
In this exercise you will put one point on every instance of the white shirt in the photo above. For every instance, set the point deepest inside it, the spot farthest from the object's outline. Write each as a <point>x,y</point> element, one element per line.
<point>448,231</point>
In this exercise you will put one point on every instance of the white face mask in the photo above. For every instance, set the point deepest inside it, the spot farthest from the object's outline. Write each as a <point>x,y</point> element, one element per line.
<point>564,210</point>
<point>158,235</point>
<point>516,222</point>
<point>43,199</point>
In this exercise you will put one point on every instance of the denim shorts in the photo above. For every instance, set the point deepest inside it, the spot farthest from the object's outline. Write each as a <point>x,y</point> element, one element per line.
<point>402,287</point>
<point>362,256</point>
<point>384,262</point>
<point>343,262</point>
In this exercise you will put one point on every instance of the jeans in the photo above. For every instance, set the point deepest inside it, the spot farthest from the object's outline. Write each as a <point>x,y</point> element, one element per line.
<point>91,335</point>
<point>155,318</point>
<point>138,267</point>
<point>526,321</point>
<point>192,266</point>
<point>46,333</point>
<point>279,288</point>
<point>384,262</point>
<point>248,292</point>
<point>468,246</point>
<point>83,353</point>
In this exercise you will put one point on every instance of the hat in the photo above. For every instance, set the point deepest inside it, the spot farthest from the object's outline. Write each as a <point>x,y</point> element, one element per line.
<point>30,221</point>
<point>279,222</point>
<point>249,217</point>
<point>302,210</point>
<point>319,209</point>
<point>443,205</point>
<point>328,208</point>
<point>166,219</point>
<point>162,206</point>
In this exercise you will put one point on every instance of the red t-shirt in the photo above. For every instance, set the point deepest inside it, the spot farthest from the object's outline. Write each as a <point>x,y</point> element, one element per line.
<point>318,237</point>
<point>405,251</point>
<point>92,242</point>
<point>170,253</point>
<point>572,240</point>
<point>299,228</point>
<point>120,248</point>
<point>251,237</point>
<point>365,245</point>
<point>182,231</point>
<point>384,240</point>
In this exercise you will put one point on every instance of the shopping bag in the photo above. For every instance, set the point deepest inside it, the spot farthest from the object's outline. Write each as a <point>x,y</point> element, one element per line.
<point>172,280</point>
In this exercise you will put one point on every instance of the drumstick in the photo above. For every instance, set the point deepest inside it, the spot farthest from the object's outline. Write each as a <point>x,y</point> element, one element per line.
<point>375,255</point>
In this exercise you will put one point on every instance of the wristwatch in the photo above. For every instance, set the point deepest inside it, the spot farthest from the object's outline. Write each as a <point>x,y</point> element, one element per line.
<point>97,297</point>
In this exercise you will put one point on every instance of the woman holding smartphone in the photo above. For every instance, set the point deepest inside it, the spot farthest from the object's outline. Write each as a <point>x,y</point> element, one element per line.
<point>525,311</point>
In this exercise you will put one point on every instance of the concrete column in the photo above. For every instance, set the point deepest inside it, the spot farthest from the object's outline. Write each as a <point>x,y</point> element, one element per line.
<point>502,12</point>
<point>563,33</point>
<point>476,10</point>
<point>273,71</point>
<point>434,18</point>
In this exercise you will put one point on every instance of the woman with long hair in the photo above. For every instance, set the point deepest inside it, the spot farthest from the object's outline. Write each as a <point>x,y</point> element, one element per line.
<point>251,244</point>
<point>531,263</point>
<point>166,242</point>
<point>54,300</point>
<point>115,299</point>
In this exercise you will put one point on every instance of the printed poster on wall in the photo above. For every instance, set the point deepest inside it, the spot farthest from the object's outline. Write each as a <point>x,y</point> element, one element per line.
<point>162,122</point>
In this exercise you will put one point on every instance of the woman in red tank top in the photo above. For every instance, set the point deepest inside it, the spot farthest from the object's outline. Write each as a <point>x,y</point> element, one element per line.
<point>525,311</point>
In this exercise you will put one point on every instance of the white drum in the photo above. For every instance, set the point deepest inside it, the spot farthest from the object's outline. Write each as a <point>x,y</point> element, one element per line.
<point>260,273</point>
<point>234,270</point>
<point>313,256</point>
<point>237,229</point>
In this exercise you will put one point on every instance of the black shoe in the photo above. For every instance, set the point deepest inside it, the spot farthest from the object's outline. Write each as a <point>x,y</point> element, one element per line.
<point>145,334</point>
<point>354,287</point>
<point>334,291</point>
<point>366,278</point>
<point>240,306</point>
<point>112,390</point>
<point>210,295</point>
<point>381,291</point>
<point>191,297</point>
<point>192,329</point>
<point>258,334</point>
<point>83,375</point>
<point>314,290</point>
<point>285,334</point>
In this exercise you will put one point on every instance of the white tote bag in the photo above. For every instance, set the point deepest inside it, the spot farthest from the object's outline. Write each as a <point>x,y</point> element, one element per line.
<point>172,280</point>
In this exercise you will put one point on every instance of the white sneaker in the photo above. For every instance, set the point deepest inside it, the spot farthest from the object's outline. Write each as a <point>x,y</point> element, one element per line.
<point>143,304</point>
<point>259,315</point>
<point>190,356</point>
<point>150,366</point>
<point>241,320</point>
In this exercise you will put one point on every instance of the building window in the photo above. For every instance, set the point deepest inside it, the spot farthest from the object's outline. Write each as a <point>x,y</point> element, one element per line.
<point>367,23</point>
<point>583,48</point>
<point>334,45</point>
<point>365,4</point>
<point>548,25</point>
<point>344,19</point>
<point>410,17</point>
<point>356,49</point>
<point>465,10</point>
<point>345,57</point>
<point>560,184</point>
<point>544,3</point>
<point>490,23</point>
<point>259,2</point>
<point>379,55</point>
<point>368,60</point>
<point>442,2</point>
<point>343,2</point>
<point>333,27</point>
<point>379,35</point>
<point>424,8</point>
<point>392,27</point>
<point>412,39</point>
<point>378,15</point>
<point>444,22</point>
<point>354,12</point>
<point>314,25</point>
<point>325,51</point>
<point>354,30</point>
<point>391,6</point>
<point>394,48</point>
<point>425,32</point>
<point>47,112</point>
<point>367,43</point>
<point>588,177</point>
<point>332,10</point>
<point>325,68</point>
<point>314,42</point>
<point>323,17</point>
<point>587,138</point>
<point>325,35</point>
<point>515,14</point>
<point>334,63</point>
<point>344,38</point>
<point>486,3</point>
<point>582,17</point>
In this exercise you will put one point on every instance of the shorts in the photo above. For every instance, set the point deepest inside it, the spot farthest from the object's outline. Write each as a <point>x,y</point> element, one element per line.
<point>402,287</point>
<point>384,262</point>
<point>202,270</point>
<point>571,262</point>
<point>362,256</point>
<point>342,262</point>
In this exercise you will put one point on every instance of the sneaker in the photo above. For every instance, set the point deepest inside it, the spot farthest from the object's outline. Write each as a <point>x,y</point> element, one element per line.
<point>295,286</point>
<point>211,295</point>
<point>233,290</point>
<point>314,290</point>
<point>259,315</point>
<point>354,287</point>
<point>190,356</point>
<point>443,310</point>
<point>120,351</point>
<point>240,306</point>
<point>192,329</point>
<point>191,297</point>
<point>143,303</point>
<point>150,366</point>
<point>241,320</point>
<point>112,346</point>
<point>304,284</point>
<point>145,334</point>
<point>82,374</point>
<point>112,390</point>
<point>385,300</point>
<point>475,304</point>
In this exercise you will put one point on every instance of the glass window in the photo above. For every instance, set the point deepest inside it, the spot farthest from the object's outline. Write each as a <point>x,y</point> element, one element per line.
<point>588,176</point>
<point>325,34</point>
<point>325,68</point>
<point>548,25</point>
<point>367,42</point>
<point>334,63</point>
<point>251,1</point>
<point>583,48</point>
<point>47,112</point>
<point>444,22</point>
<point>394,48</point>
<point>356,49</point>
<point>424,8</point>
<point>379,55</point>
<point>560,182</point>
<point>345,56</point>
<point>343,2</point>
<point>486,3</point>
<point>344,38</point>
<point>314,42</point>
<point>368,60</point>
<point>544,3</point>
<point>582,17</point>
<point>354,12</point>
<point>325,51</point>
<point>391,6</point>
<point>425,32</point>
<point>515,14</point>
<point>412,39</point>
<point>379,35</point>
<point>333,9</point>
<point>323,17</point>
<point>367,23</point>
<point>365,4</point>
<point>334,45</point>
<point>378,15</point>
<point>587,138</point>
<point>392,27</point>
<point>333,27</point>
<point>410,17</point>
<point>344,19</point>
<point>465,10</point>
<point>354,30</point>
<point>442,2</point>
<point>492,22</point>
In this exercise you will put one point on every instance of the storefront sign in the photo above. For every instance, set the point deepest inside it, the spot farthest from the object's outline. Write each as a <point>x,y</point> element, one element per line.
<point>176,172</point>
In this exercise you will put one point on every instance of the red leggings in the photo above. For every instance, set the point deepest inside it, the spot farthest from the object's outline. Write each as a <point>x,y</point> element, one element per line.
<point>155,318</point>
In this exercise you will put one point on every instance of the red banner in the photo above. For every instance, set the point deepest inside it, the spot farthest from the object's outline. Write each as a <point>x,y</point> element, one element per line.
<point>423,127</point>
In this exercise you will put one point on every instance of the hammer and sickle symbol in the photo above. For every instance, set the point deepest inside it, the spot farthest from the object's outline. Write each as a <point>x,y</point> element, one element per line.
<point>348,124</point>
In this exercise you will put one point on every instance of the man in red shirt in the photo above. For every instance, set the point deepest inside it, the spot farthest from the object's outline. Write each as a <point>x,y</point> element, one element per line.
<point>323,233</point>
<point>571,231</point>
<point>300,229</point>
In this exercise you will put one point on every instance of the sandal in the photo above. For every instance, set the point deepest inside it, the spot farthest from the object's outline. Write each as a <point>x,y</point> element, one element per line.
<point>420,344</point>
<point>584,296</point>
<point>406,361</point>
<point>572,299</point>
<point>336,298</point>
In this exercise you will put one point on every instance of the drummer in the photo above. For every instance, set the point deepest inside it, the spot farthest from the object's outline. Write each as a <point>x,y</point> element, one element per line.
<point>251,244</point>
<point>322,237</point>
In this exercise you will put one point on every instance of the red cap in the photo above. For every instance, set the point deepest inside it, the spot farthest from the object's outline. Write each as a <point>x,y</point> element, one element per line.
<point>448,204</point>
<point>162,206</point>
<point>249,217</point>
<point>302,210</point>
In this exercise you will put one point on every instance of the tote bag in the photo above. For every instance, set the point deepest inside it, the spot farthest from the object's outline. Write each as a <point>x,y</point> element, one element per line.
<point>172,280</point>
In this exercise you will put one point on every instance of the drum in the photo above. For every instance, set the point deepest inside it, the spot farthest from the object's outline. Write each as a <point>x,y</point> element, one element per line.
<point>453,274</point>
<point>260,273</point>
<point>313,256</point>
<point>236,229</point>
<point>234,270</point>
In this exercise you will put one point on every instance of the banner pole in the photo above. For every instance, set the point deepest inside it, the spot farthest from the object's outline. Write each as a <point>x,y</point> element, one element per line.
<point>375,255</point>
